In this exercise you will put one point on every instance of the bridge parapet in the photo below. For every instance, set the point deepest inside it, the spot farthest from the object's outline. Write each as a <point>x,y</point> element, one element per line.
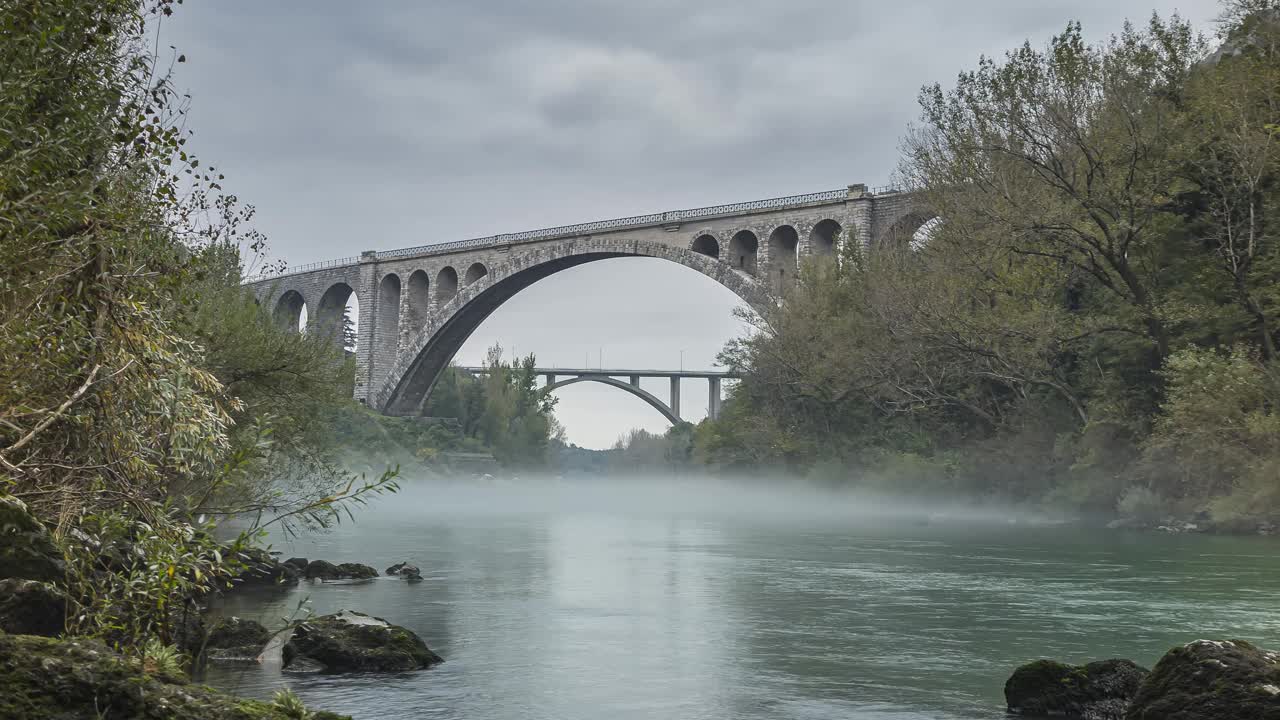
<point>852,192</point>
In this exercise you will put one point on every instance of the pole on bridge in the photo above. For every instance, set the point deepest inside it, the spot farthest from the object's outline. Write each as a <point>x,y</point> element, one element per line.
<point>675,395</point>
<point>713,397</point>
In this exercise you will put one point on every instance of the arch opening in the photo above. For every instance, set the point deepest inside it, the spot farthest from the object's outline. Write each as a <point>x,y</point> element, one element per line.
<point>417,301</point>
<point>742,251</point>
<point>290,310</point>
<point>388,321</point>
<point>475,272</point>
<point>706,245</point>
<point>446,284</point>
<point>337,315</point>
<point>782,256</point>
<point>824,237</point>
<point>910,231</point>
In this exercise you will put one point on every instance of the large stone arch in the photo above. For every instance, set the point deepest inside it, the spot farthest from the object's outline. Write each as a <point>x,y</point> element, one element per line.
<point>653,400</point>
<point>784,245</point>
<point>902,227</point>
<point>744,247</point>
<point>449,325</point>
<point>417,299</point>
<point>824,237</point>
<point>331,310</point>
<point>387,319</point>
<point>288,310</point>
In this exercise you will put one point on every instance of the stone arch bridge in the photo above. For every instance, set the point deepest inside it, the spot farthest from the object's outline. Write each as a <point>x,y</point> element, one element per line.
<point>419,305</point>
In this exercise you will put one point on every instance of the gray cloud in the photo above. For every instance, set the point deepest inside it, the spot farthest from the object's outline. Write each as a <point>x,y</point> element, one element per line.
<point>376,125</point>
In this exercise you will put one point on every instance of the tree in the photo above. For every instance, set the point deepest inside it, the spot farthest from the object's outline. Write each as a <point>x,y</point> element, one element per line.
<point>122,256</point>
<point>1233,157</point>
<point>1063,157</point>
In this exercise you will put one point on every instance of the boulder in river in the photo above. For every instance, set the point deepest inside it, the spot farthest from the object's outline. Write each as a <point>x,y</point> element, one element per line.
<point>235,639</point>
<point>297,563</point>
<point>31,607</point>
<point>357,571</point>
<point>263,570</point>
<point>354,642</point>
<point>46,679</point>
<point>325,570</point>
<point>1211,680</point>
<point>320,569</point>
<point>27,549</point>
<point>406,570</point>
<point>1097,691</point>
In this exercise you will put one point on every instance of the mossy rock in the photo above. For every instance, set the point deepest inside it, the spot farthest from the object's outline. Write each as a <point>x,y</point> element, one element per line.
<point>31,607</point>
<point>1097,691</point>
<point>354,642</point>
<point>46,679</point>
<point>26,549</point>
<point>357,571</point>
<point>325,570</point>
<point>320,569</point>
<point>263,570</point>
<point>235,639</point>
<point>1211,680</point>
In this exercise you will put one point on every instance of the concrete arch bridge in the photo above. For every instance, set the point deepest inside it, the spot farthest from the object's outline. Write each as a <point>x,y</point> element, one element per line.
<point>559,377</point>
<point>418,305</point>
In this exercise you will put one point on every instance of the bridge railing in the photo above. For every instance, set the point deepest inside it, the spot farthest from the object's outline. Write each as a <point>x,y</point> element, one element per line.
<point>580,228</point>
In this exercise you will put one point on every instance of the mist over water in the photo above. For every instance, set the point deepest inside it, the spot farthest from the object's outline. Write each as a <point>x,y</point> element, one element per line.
<point>651,598</point>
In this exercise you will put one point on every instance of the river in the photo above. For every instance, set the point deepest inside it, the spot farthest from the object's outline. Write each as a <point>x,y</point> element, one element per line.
<point>715,601</point>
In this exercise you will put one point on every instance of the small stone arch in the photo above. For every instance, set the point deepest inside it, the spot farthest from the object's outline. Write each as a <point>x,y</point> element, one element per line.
<point>446,284</point>
<point>783,242</point>
<point>417,300</point>
<point>387,323</point>
<point>331,312</point>
<point>706,244</point>
<point>743,247</point>
<point>475,272</point>
<point>288,310</point>
<point>824,236</point>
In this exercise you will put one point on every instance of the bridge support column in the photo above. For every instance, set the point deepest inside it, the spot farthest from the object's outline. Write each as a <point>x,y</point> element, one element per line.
<point>551,379</point>
<point>635,381</point>
<point>366,326</point>
<point>713,398</point>
<point>675,395</point>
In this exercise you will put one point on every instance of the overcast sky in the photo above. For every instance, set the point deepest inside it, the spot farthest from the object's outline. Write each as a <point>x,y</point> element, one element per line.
<point>376,125</point>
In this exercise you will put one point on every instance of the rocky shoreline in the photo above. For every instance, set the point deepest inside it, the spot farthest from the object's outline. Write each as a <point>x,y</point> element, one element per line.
<point>1202,680</point>
<point>1201,525</point>
<point>49,677</point>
